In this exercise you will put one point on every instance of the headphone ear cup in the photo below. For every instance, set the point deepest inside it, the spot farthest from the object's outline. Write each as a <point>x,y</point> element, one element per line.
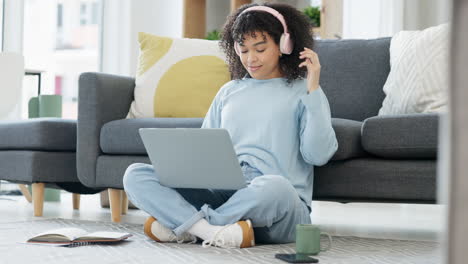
<point>237,48</point>
<point>286,44</point>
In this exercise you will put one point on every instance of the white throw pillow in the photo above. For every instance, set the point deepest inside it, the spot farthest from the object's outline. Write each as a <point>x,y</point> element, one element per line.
<point>418,80</point>
<point>177,77</point>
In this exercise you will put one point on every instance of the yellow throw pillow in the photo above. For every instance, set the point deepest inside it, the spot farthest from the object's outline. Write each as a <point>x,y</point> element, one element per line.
<point>177,77</point>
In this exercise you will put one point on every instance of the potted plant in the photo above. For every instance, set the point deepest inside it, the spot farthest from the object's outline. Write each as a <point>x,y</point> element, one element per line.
<point>213,35</point>
<point>313,13</point>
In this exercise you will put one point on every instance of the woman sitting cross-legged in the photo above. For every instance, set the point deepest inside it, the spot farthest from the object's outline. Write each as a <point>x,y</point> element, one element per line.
<point>279,121</point>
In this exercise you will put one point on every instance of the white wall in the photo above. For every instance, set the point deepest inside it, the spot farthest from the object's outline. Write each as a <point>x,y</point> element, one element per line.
<point>216,13</point>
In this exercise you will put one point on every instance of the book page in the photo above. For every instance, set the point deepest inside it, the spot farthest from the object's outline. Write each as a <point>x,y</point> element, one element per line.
<point>59,235</point>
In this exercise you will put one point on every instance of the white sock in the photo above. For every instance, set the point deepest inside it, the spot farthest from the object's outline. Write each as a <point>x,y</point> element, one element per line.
<point>203,229</point>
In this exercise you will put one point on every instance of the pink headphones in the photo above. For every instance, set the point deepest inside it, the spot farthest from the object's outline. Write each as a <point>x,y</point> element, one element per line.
<point>286,44</point>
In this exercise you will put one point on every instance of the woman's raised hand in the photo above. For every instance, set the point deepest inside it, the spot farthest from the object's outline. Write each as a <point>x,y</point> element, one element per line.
<point>311,61</point>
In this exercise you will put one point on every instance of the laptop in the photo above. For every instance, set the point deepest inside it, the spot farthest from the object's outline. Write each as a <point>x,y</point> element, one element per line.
<point>193,158</point>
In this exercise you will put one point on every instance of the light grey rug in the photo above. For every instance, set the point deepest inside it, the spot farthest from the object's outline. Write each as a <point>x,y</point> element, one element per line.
<point>139,249</point>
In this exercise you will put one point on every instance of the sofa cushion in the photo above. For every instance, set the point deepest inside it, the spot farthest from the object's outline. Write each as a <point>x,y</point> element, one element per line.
<point>401,136</point>
<point>352,75</point>
<point>49,134</point>
<point>122,136</point>
<point>348,134</point>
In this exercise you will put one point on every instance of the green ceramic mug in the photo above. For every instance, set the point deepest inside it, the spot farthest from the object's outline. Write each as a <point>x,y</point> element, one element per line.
<point>308,240</point>
<point>45,105</point>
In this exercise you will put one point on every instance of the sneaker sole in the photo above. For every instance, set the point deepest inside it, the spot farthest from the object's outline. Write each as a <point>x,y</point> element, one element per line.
<point>247,234</point>
<point>147,229</point>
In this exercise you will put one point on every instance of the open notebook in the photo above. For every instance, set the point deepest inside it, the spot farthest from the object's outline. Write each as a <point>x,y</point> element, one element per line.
<point>77,237</point>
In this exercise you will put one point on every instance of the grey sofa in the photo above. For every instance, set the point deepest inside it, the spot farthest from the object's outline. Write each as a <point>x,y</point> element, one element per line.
<point>390,158</point>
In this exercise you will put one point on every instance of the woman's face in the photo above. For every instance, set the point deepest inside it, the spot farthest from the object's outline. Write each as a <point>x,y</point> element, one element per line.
<point>260,56</point>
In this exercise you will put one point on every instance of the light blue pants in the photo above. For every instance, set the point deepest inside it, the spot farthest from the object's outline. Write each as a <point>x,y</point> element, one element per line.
<point>269,201</point>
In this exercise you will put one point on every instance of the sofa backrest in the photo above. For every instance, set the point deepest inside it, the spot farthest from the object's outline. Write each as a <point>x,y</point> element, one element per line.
<point>353,74</point>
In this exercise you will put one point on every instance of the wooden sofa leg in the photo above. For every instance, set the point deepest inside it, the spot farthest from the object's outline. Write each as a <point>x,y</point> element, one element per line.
<point>38,198</point>
<point>24,190</point>
<point>76,201</point>
<point>124,202</point>
<point>115,201</point>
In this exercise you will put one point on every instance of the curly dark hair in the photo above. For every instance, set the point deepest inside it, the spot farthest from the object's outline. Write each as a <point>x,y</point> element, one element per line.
<point>236,28</point>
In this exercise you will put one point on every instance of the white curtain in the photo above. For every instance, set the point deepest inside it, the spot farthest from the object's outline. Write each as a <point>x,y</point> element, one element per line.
<point>382,18</point>
<point>13,38</point>
<point>391,17</point>
<point>122,21</point>
<point>116,37</point>
<point>13,25</point>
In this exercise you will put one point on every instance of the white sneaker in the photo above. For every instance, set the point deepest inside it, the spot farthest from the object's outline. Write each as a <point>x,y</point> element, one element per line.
<point>159,233</point>
<point>238,235</point>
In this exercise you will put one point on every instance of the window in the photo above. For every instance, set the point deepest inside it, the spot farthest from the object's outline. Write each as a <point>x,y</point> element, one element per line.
<point>61,40</point>
<point>94,13</point>
<point>89,13</point>
<point>59,15</point>
<point>83,13</point>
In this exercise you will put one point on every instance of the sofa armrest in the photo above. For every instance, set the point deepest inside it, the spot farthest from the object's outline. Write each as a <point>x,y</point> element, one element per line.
<point>101,98</point>
<point>413,136</point>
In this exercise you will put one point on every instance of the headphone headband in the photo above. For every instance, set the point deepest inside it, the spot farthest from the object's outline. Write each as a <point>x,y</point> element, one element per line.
<point>271,11</point>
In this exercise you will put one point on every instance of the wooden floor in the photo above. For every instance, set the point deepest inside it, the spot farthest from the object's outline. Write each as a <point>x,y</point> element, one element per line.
<point>399,221</point>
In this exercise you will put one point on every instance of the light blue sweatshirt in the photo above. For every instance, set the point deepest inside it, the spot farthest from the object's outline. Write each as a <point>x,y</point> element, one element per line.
<point>277,128</point>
